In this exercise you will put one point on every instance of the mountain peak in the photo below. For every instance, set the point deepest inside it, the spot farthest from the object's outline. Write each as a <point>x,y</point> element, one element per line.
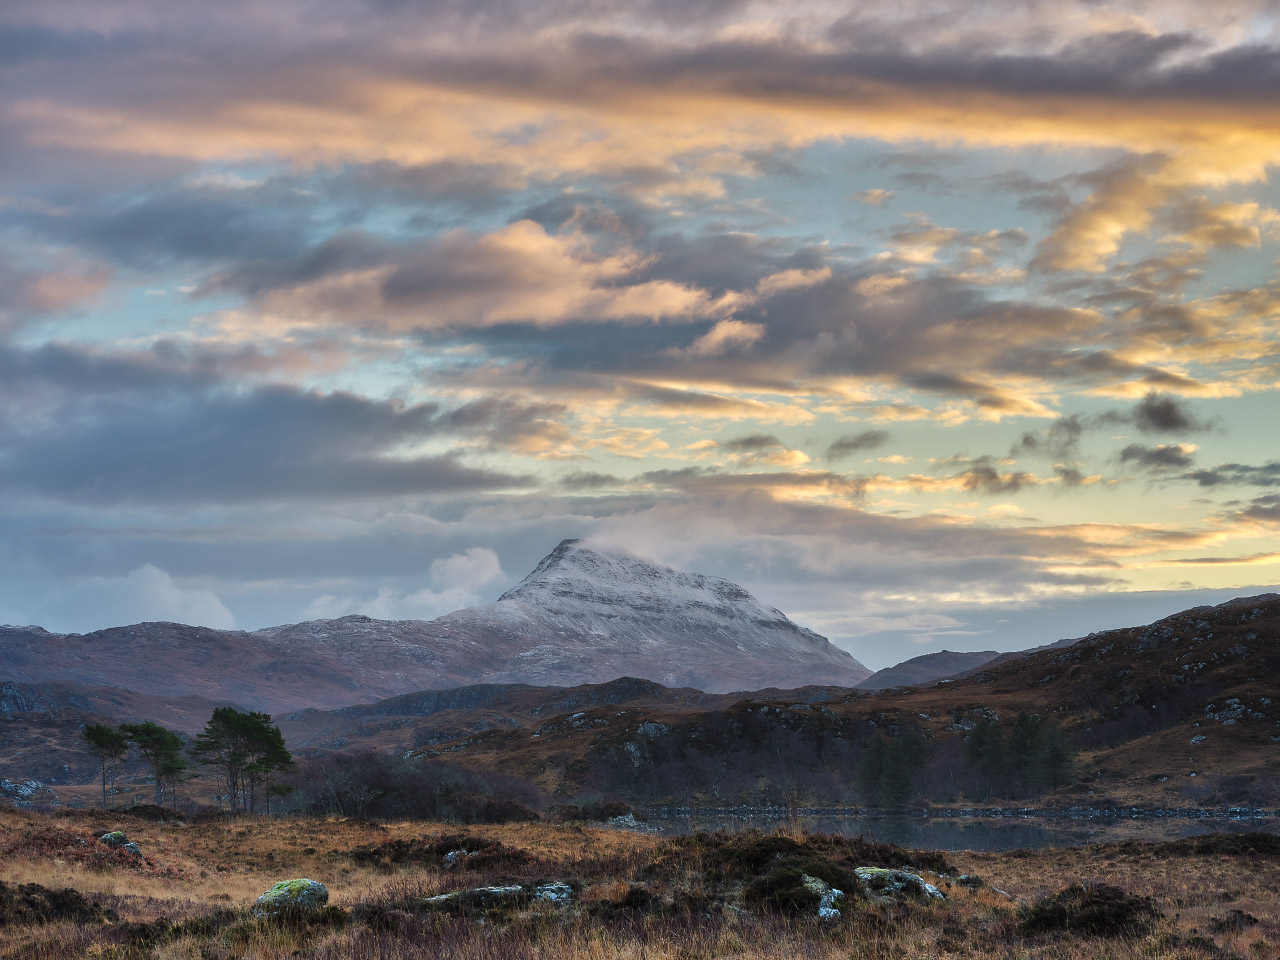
<point>575,570</point>
<point>592,611</point>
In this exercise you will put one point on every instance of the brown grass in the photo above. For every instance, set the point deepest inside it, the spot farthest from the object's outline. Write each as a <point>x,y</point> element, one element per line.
<point>195,871</point>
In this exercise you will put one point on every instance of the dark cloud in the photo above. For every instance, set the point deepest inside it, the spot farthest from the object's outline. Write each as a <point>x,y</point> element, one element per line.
<point>1061,441</point>
<point>852,443</point>
<point>1166,456</point>
<point>166,425</point>
<point>588,480</point>
<point>1263,510</point>
<point>751,443</point>
<point>987,479</point>
<point>1162,413</point>
<point>1264,475</point>
<point>1154,413</point>
<point>1070,476</point>
<point>983,474</point>
<point>203,224</point>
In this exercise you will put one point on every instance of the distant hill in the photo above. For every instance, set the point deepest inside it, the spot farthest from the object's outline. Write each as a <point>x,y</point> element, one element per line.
<point>582,616</point>
<point>1183,711</point>
<point>926,669</point>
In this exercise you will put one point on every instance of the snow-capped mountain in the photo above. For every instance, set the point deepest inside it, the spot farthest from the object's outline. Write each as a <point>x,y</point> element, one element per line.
<point>582,616</point>
<point>586,615</point>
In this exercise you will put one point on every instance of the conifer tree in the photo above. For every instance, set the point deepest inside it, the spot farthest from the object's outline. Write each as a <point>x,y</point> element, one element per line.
<point>247,748</point>
<point>109,746</point>
<point>160,748</point>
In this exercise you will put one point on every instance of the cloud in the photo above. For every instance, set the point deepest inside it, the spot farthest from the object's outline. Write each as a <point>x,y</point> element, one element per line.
<point>147,593</point>
<point>1258,475</point>
<point>517,274</point>
<point>852,443</point>
<point>1166,456</point>
<point>1161,413</point>
<point>457,582</point>
<point>1124,200</point>
<point>1262,510</point>
<point>272,443</point>
<point>725,336</point>
<point>39,290</point>
<point>761,448</point>
<point>873,198</point>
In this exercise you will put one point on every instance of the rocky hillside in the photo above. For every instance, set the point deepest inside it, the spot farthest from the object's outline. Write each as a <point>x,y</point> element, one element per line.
<point>582,616</point>
<point>1182,711</point>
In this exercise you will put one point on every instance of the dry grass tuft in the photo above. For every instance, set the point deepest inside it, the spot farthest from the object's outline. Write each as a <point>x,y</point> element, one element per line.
<point>635,896</point>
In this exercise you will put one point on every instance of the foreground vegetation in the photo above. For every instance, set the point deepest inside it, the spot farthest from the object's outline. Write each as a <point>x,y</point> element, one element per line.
<point>631,895</point>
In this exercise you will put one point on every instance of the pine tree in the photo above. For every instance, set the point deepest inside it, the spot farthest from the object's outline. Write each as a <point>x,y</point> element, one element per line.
<point>247,748</point>
<point>109,746</point>
<point>160,748</point>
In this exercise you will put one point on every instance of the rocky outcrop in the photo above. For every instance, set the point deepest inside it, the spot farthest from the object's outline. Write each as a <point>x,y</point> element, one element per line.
<point>879,883</point>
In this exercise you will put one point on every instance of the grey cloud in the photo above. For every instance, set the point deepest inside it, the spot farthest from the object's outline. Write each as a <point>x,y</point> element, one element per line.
<point>133,429</point>
<point>1061,441</point>
<point>1264,475</point>
<point>470,187</point>
<point>982,474</point>
<point>1157,413</point>
<point>588,480</point>
<point>852,443</point>
<point>1159,458</point>
<point>1070,476</point>
<point>202,224</point>
<point>987,479</point>
<point>751,443</point>
<point>1041,196</point>
<point>1264,509</point>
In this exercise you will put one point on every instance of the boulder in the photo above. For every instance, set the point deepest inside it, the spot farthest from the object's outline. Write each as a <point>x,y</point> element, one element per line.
<point>827,897</point>
<point>292,896</point>
<point>882,884</point>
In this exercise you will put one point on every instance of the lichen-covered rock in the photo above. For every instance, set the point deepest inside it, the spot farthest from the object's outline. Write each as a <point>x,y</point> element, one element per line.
<point>556,892</point>
<point>117,839</point>
<point>289,896</point>
<point>827,897</point>
<point>880,883</point>
<point>479,899</point>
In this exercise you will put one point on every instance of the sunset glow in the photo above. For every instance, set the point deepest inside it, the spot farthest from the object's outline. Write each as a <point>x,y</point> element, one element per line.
<point>933,325</point>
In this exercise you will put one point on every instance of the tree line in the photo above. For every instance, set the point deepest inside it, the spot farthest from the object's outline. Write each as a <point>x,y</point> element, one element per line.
<point>245,748</point>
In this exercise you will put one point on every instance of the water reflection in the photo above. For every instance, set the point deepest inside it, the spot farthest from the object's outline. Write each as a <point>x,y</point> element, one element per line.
<point>956,833</point>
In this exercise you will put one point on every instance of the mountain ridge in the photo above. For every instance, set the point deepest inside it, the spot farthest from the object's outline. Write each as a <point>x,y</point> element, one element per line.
<point>583,615</point>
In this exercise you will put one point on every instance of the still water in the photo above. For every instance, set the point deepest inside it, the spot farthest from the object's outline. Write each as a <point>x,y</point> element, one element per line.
<point>970,833</point>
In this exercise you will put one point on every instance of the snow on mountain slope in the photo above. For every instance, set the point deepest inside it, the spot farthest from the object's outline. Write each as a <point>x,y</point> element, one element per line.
<point>589,615</point>
<point>582,616</point>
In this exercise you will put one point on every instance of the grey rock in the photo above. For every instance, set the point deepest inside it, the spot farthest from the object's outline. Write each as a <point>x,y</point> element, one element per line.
<point>292,895</point>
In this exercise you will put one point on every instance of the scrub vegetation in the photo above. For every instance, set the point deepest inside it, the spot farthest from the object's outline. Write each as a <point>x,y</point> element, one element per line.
<point>570,892</point>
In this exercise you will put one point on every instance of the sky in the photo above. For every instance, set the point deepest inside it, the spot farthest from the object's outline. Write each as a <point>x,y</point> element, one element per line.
<point>934,324</point>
